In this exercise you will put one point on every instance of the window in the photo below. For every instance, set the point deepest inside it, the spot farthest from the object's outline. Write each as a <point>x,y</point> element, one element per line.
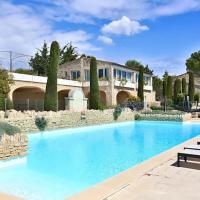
<point>147,80</point>
<point>128,76</point>
<point>123,74</point>
<point>75,75</point>
<point>115,73</point>
<point>66,75</point>
<point>106,72</point>
<point>87,74</point>
<point>137,78</point>
<point>119,74</point>
<point>103,73</point>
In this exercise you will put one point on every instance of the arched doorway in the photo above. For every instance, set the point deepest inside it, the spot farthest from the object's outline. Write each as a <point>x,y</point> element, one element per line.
<point>61,99</point>
<point>122,96</point>
<point>103,98</point>
<point>28,98</point>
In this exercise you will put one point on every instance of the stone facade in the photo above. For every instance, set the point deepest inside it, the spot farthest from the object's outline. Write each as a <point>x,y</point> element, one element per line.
<point>113,90</point>
<point>64,119</point>
<point>13,146</point>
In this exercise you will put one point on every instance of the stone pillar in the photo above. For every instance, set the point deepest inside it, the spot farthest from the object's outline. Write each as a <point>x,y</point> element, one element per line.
<point>76,101</point>
<point>111,96</point>
<point>10,95</point>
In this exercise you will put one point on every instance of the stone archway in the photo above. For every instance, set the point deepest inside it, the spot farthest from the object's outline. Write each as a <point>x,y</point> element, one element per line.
<point>28,98</point>
<point>62,94</point>
<point>122,96</point>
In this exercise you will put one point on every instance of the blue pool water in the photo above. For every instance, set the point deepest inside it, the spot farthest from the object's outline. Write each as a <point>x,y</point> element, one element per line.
<point>64,162</point>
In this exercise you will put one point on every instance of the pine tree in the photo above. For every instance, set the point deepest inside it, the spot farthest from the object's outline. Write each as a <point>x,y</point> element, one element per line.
<point>177,89</point>
<point>169,87</point>
<point>40,61</point>
<point>191,89</point>
<point>94,85</point>
<point>68,53</point>
<point>140,93</point>
<point>51,96</point>
<point>184,86</point>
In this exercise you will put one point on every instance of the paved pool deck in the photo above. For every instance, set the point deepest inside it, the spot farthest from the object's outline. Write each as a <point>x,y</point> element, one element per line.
<point>155,179</point>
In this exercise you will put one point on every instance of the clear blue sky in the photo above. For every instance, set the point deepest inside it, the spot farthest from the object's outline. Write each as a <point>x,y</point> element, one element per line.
<point>160,33</point>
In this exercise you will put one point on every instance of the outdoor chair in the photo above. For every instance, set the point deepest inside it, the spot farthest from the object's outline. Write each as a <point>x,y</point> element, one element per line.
<point>187,153</point>
<point>193,146</point>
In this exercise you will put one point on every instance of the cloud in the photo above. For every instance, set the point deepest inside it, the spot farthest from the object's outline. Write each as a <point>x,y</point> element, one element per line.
<point>105,39</point>
<point>87,11</point>
<point>24,31</point>
<point>124,26</point>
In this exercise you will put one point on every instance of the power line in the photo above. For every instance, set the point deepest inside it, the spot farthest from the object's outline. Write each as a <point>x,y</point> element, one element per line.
<point>11,57</point>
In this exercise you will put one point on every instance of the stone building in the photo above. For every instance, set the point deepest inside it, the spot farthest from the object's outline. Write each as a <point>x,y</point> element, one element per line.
<point>116,82</point>
<point>196,80</point>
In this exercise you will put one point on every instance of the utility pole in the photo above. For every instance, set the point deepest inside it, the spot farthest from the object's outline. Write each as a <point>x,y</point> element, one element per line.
<point>11,65</point>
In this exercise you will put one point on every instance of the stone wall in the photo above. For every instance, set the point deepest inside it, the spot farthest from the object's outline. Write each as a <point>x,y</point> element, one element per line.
<point>13,146</point>
<point>64,119</point>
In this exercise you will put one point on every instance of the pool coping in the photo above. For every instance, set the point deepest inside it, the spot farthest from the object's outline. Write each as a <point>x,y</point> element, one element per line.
<point>108,187</point>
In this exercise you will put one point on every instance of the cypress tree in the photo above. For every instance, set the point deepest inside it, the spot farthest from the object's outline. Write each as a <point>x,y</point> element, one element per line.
<point>140,93</point>
<point>94,85</point>
<point>51,95</point>
<point>169,87</point>
<point>184,86</point>
<point>191,89</point>
<point>164,88</point>
<point>177,89</point>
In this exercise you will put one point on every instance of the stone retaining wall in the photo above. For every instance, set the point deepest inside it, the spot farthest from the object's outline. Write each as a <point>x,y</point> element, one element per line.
<point>12,146</point>
<point>64,119</point>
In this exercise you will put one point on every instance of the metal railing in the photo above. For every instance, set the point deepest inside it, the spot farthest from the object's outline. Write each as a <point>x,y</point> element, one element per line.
<point>28,104</point>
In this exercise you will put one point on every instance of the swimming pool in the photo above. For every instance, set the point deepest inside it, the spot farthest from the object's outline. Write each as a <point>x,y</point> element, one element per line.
<point>64,162</point>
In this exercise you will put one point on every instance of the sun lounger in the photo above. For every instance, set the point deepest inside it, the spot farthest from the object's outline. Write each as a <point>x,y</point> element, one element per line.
<point>187,153</point>
<point>194,147</point>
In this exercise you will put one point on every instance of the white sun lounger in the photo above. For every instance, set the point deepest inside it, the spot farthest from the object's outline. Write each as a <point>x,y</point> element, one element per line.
<point>187,153</point>
<point>193,146</point>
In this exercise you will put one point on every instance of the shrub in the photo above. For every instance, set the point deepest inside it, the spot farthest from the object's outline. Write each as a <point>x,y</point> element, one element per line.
<point>102,107</point>
<point>133,98</point>
<point>137,116</point>
<point>25,71</point>
<point>161,116</point>
<point>41,123</point>
<point>196,98</point>
<point>156,107</point>
<point>9,129</point>
<point>51,95</point>
<point>117,112</point>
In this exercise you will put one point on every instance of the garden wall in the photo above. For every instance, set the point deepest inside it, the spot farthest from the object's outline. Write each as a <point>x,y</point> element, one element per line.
<point>63,119</point>
<point>12,146</point>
